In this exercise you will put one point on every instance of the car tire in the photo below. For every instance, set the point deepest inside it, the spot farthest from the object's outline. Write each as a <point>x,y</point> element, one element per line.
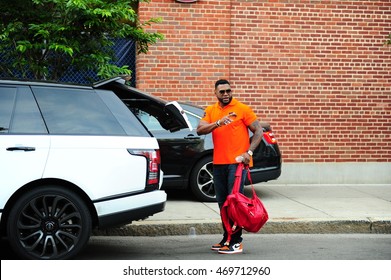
<point>49,222</point>
<point>201,180</point>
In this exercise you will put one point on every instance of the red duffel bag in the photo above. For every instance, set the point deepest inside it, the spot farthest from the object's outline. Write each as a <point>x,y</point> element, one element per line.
<point>240,211</point>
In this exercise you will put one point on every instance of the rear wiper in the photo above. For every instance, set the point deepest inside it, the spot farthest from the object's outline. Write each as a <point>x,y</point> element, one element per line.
<point>3,128</point>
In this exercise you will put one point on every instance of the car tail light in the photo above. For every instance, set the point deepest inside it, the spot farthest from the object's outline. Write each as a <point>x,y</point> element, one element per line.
<point>153,166</point>
<point>269,137</point>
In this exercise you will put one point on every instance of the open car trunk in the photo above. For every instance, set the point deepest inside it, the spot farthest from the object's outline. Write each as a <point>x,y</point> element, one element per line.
<point>170,115</point>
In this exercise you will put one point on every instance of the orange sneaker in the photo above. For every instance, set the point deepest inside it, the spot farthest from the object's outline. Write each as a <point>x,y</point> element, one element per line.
<point>218,246</point>
<point>232,249</point>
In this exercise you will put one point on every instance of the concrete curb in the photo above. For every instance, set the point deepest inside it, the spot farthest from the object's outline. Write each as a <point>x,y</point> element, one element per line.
<point>273,226</point>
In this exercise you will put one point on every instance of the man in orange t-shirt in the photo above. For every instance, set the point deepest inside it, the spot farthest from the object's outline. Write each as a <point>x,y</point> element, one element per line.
<point>229,121</point>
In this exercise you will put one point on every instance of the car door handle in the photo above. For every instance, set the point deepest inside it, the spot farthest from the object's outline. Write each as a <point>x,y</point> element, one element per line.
<point>192,137</point>
<point>26,149</point>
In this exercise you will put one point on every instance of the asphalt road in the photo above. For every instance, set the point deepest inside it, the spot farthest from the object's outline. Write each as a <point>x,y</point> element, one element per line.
<point>256,247</point>
<point>270,256</point>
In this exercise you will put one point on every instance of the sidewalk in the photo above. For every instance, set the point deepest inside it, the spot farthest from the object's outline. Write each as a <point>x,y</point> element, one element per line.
<point>291,208</point>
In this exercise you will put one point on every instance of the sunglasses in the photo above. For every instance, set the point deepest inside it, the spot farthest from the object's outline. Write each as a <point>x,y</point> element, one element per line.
<point>225,91</point>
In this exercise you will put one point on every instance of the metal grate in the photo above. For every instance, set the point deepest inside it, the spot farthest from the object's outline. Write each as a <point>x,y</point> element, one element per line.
<point>125,52</point>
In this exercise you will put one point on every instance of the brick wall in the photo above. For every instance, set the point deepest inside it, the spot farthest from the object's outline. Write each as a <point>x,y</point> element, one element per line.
<point>318,71</point>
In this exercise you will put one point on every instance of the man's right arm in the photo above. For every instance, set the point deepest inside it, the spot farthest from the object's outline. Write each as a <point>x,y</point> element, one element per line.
<point>204,127</point>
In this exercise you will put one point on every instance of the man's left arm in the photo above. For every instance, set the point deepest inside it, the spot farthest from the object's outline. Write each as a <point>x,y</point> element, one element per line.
<point>257,130</point>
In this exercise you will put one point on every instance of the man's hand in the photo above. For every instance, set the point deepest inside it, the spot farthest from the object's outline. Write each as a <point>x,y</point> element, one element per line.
<point>226,120</point>
<point>205,127</point>
<point>246,158</point>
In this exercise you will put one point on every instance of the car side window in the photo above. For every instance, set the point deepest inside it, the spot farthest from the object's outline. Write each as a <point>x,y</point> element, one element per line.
<point>7,101</point>
<point>19,109</point>
<point>76,111</point>
<point>148,120</point>
<point>153,124</point>
<point>193,119</point>
<point>125,117</point>
<point>27,119</point>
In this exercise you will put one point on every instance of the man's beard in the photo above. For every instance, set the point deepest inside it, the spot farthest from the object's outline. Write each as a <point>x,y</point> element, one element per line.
<point>226,100</point>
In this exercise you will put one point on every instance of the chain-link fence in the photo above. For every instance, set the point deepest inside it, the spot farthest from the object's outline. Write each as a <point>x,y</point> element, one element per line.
<point>125,52</point>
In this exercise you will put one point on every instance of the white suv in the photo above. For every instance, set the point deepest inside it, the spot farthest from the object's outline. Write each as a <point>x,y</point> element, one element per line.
<point>73,158</point>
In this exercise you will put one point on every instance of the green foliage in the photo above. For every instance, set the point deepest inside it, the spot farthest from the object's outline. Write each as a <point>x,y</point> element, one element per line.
<point>46,37</point>
<point>388,41</point>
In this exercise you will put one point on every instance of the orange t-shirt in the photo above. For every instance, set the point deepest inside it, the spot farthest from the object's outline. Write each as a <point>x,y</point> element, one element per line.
<point>230,140</point>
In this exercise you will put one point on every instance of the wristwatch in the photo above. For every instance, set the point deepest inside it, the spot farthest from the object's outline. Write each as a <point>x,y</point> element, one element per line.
<point>250,153</point>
